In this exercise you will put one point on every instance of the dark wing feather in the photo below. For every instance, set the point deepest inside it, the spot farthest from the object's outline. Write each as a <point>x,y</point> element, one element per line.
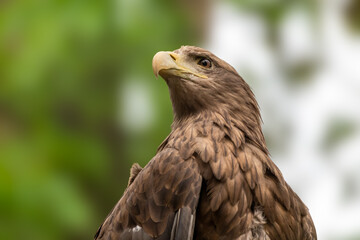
<point>160,202</point>
<point>183,224</point>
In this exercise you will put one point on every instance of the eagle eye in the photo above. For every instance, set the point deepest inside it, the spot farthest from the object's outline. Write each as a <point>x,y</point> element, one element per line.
<point>204,62</point>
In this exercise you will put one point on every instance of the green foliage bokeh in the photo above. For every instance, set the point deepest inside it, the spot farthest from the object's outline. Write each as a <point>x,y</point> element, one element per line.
<point>64,153</point>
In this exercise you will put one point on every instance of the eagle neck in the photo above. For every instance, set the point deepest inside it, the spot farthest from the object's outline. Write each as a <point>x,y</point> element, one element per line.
<point>247,126</point>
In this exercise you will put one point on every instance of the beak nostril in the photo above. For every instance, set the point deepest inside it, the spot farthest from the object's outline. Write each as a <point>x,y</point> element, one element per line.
<point>173,57</point>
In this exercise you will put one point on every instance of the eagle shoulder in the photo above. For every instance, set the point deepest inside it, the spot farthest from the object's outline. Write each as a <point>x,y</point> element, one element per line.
<point>165,191</point>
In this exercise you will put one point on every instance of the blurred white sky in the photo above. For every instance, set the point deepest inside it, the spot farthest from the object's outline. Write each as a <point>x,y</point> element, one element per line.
<point>320,176</point>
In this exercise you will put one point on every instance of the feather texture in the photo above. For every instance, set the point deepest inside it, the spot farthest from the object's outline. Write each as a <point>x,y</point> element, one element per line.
<point>212,177</point>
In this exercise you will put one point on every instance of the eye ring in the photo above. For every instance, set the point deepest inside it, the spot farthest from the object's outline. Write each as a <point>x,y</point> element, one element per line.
<point>205,63</point>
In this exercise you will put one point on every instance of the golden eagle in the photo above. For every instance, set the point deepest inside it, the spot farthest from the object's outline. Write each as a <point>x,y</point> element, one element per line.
<point>212,177</point>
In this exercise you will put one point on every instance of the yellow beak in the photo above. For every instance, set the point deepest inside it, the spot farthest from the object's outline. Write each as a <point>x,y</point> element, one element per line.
<point>172,62</point>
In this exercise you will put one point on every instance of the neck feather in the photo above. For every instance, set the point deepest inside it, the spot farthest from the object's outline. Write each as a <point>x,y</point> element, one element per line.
<point>247,123</point>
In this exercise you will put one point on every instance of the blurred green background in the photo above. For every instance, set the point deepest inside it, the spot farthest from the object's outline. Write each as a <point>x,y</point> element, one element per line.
<point>79,102</point>
<point>65,146</point>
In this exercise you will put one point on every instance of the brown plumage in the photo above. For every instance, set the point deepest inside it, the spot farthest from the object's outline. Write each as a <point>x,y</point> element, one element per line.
<point>212,177</point>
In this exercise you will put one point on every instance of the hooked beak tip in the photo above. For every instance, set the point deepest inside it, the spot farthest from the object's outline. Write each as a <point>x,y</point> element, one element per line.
<point>162,61</point>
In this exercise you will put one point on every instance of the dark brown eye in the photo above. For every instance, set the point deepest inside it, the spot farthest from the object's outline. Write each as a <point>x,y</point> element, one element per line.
<point>204,62</point>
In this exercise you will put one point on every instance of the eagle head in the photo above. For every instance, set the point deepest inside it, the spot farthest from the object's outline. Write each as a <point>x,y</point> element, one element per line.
<point>200,81</point>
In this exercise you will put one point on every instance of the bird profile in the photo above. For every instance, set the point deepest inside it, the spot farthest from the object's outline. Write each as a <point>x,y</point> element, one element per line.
<point>212,177</point>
